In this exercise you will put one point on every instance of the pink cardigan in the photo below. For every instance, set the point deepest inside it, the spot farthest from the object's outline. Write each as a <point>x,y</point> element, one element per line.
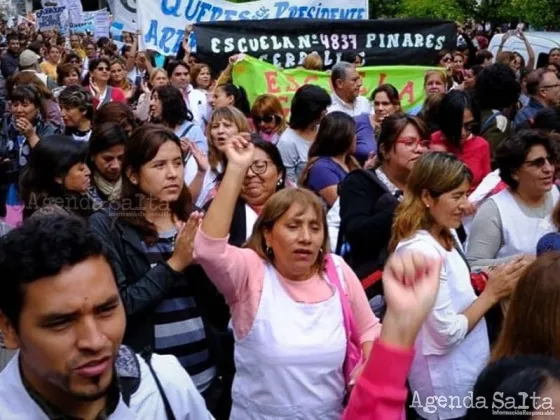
<point>238,273</point>
<point>380,393</point>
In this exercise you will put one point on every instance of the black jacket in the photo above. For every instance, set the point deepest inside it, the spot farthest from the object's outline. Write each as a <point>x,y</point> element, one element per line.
<point>366,216</point>
<point>142,287</point>
<point>9,64</point>
<point>10,167</point>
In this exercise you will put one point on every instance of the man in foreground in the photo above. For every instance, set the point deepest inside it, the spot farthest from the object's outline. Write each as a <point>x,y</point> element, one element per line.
<point>61,308</point>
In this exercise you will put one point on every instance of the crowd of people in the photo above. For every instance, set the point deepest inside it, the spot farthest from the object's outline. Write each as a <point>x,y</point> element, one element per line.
<point>170,250</point>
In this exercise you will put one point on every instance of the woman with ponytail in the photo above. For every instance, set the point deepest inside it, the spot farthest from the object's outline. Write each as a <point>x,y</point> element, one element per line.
<point>452,347</point>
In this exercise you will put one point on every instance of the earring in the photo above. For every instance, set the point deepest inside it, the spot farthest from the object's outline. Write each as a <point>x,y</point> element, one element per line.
<point>279,182</point>
<point>427,206</point>
<point>268,251</point>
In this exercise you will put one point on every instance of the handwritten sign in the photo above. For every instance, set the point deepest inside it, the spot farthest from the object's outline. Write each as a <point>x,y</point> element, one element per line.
<point>49,18</point>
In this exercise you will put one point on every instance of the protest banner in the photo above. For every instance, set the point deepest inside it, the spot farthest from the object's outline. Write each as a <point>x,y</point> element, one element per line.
<point>49,18</point>
<point>162,22</point>
<point>124,14</point>
<point>258,77</point>
<point>286,43</point>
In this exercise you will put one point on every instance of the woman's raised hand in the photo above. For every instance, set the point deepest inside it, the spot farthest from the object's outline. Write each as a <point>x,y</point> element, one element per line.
<point>240,151</point>
<point>410,283</point>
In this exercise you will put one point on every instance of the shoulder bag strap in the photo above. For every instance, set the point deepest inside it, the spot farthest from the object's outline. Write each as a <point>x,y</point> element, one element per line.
<point>147,356</point>
<point>187,130</point>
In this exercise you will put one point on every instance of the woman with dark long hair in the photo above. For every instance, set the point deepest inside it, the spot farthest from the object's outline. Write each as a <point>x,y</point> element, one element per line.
<point>331,156</point>
<point>458,120</point>
<point>149,237</point>
<point>168,107</point>
<point>57,178</point>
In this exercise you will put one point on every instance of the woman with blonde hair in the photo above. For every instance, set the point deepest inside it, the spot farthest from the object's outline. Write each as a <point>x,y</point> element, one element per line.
<point>268,117</point>
<point>224,123</point>
<point>532,319</point>
<point>453,346</point>
<point>313,61</point>
<point>119,77</point>
<point>290,301</point>
<point>436,81</point>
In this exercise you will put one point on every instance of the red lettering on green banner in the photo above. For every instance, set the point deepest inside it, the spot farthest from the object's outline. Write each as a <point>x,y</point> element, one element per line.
<point>258,77</point>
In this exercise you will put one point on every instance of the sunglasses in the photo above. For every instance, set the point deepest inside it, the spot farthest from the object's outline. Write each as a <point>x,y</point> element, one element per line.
<point>540,162</point>
<point>102,68</point>
<point>447,59</point>
<point>267,119</point>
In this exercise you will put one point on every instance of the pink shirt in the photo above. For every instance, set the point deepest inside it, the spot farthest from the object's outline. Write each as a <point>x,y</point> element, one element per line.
<point>380,393</point>
<point>238,273</point>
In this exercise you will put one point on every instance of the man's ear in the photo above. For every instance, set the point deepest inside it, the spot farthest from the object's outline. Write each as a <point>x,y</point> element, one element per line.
<point>9,334</point>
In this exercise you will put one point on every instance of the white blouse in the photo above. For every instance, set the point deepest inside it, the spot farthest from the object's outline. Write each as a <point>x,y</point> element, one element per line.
<point>448,359</point>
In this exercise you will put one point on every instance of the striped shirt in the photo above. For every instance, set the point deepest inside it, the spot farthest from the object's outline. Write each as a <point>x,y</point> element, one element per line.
<point>179,329</point>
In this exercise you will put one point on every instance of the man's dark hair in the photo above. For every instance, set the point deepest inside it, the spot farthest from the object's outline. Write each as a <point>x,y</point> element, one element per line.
<point>12,37</point>
<point>41,247</point>
<point>497,87</point>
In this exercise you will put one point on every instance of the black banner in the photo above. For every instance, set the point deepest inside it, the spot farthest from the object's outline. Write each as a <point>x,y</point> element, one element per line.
<point>286,42</point>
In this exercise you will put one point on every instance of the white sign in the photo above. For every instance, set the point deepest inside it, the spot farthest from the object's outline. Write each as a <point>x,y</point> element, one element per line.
<point>162,22</point>
<point>49,18</point>
<point>102,24</point>
<point>124,15</point>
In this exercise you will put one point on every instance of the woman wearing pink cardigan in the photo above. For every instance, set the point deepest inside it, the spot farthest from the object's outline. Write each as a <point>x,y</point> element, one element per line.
<point>287,317</point>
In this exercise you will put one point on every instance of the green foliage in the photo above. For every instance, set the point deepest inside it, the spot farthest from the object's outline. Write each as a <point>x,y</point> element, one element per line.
<point>442,9</point>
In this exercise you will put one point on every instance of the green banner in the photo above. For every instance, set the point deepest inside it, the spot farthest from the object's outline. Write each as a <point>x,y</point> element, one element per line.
<point>259,77</point>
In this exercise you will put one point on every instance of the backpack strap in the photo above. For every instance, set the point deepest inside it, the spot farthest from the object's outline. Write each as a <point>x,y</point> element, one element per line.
<point>147,356</point>
<point>128,372</point>
<point>488,122</point>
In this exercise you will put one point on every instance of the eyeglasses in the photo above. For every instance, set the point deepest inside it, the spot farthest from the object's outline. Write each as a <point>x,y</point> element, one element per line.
<point>540,162</point>
<point>266,119</point>
<point>413,143</point>
<point>446,59</point>
<point>102,68</point>
<point>259,167</point>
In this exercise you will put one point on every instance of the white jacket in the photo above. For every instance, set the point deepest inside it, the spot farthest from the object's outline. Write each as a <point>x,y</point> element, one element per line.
<point>146,403</point>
